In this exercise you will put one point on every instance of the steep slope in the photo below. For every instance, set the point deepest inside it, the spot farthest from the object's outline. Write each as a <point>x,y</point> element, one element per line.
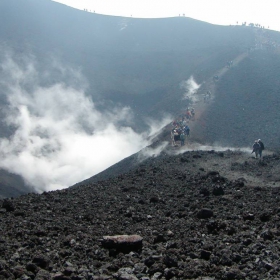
<point>141,63</point>
<point>240,112</point>
<point>125,60</point>
<point>138,63</point>
<point>12,185</point>
<point>243,108</point>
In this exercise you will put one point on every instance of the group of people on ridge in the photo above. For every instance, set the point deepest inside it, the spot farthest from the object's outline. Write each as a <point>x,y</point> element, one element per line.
<point>181,129</point>
<point>207,96</point>
<point>179,132</point>
<point>258,147</point>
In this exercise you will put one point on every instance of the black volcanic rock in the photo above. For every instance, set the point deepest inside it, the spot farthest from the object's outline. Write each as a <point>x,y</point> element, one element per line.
<point>189,236</point>
<point>141,64</point>
<point>205,213</point>
<point>8,205</point>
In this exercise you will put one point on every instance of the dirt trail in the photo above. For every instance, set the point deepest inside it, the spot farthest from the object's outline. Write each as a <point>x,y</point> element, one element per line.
<point>197,126</point>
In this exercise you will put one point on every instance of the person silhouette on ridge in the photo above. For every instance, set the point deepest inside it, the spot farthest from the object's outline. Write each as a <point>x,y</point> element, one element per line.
<point>261,147</point>
<point>256,148</point>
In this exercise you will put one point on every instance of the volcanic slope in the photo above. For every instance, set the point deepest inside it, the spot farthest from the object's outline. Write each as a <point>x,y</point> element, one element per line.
<point>244,106</point>
<point>200,214</point>
<point>138,63</point>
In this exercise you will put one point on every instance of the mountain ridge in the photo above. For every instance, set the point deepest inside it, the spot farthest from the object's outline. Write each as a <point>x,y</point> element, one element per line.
<point>139,63</point>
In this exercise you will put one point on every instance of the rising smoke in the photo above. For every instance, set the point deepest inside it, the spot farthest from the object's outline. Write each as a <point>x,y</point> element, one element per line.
<point>190,87</point>
<point>58,136</point>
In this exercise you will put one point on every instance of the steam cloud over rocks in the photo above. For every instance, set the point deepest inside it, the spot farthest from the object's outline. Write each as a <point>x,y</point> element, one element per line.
<point>191,87</point>
<point>59,137</point>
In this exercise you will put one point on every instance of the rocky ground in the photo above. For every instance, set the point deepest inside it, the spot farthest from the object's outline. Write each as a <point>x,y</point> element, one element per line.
<point>192,215</point>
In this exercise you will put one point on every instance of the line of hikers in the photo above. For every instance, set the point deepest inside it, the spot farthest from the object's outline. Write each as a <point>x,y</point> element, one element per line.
<point>189,115</point>
<point>258,147</point>
<point>179,134</point>
<point>207,96</point>
<point>180,131</point>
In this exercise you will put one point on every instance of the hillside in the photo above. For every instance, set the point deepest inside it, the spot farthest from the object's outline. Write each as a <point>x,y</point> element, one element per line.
<point>142,64</point>
<point>196,215</point>
<point>124,60</point>
<point>139,63</point>
<point>207,210</point>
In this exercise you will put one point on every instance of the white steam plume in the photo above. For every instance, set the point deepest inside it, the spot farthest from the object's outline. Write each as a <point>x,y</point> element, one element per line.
<point>59,137</point>
<point>191,87</point>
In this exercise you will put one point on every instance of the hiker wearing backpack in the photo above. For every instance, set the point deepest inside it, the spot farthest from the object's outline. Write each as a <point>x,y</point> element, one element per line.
<point>256,148</point>
<point>261,147</point>
<point>182,138</point>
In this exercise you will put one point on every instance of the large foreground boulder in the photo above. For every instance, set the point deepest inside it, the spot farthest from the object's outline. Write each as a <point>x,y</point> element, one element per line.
<point>123,243</point>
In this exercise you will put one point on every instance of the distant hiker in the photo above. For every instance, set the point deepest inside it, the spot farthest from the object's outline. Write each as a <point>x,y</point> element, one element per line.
<point>174,123</point>
<point>187,130</point>
<point>256,148</point>
<point>216,78</point>
<point>189,114</point>
<point>175,136</point>
<point>261,147</point>
<point>182,138</point>
<point>207,96</point>
<point>172,138</point>
<point>192,113</point>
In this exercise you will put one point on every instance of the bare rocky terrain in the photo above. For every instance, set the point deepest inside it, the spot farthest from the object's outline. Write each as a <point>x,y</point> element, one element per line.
<point>201,211</point>
<point>197,215</point>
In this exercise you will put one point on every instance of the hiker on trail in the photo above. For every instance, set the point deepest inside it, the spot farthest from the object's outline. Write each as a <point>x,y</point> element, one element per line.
<point>192,113</point>
<point>261,147</point>
<point>189,114</point>
<point>175,136</point>
<point>216,78</point>
<point>207,96</point>
<point>187,130</point>
<point>182,138</point>
<point>172,138</point>
<point>256,148</point>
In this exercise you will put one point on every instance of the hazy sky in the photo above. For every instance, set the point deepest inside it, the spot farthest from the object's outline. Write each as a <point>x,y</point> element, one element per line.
<point>264,12</point>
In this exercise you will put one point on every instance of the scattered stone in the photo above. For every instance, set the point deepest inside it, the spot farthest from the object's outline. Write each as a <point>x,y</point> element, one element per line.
<point>154,199</point>
<point>170,261</point>
<point>218,190</point>
<point>43,275</point>
<point>123,243</point>
<point>42,261</point>
<point>265,217</point>
<point>8,205</point>
<point>267,235</point>
<point>248,216</point>
<point>205,213</point>
<point>204,191</point>
<point>205,254</point>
